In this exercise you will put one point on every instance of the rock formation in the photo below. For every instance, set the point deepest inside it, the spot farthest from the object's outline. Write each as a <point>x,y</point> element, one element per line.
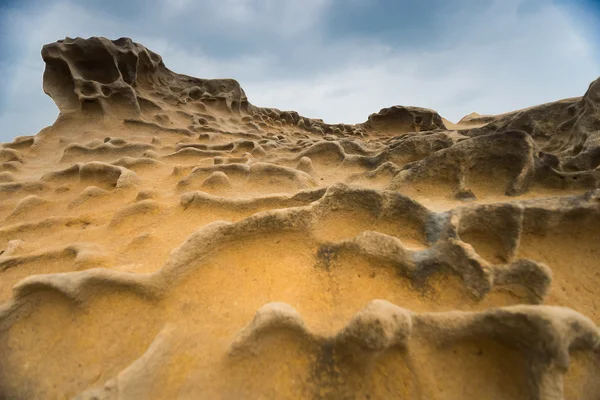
<point>165,238</point>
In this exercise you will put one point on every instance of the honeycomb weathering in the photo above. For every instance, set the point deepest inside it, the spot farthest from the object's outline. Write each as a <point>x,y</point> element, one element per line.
<point>165,238</point>
<point>121,78</point>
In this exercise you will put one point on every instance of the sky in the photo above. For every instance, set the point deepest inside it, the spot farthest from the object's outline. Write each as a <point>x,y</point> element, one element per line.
<point>339,60</point>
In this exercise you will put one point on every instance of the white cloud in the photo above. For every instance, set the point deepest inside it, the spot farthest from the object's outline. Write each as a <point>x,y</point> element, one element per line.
<point>491,62</point>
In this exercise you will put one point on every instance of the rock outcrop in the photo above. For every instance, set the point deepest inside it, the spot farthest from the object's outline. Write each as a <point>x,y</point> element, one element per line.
<point>125,79</point>
<point>399,119</point>
<point>567,131</point>
<point>165,238</point>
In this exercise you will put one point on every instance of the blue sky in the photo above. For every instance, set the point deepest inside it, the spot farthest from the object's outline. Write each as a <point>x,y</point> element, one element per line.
<point>339,60</point>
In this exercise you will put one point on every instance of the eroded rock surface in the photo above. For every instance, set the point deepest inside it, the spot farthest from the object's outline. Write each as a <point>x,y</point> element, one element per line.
<point>165,238</point>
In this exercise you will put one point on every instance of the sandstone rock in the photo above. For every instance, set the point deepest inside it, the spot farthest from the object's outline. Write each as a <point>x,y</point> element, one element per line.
<point>164,238</point>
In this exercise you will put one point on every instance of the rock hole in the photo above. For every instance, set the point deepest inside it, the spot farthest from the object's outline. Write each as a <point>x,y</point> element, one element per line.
<point>155,57</point>
<point>87,89</point>
<point>98,66</point>
<point>127,66</point>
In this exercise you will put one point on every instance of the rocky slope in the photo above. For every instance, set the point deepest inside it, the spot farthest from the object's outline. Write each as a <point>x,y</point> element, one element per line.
<point>165,238</point>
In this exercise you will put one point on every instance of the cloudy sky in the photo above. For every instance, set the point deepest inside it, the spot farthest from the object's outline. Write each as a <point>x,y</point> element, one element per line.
<point>339,60</point>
